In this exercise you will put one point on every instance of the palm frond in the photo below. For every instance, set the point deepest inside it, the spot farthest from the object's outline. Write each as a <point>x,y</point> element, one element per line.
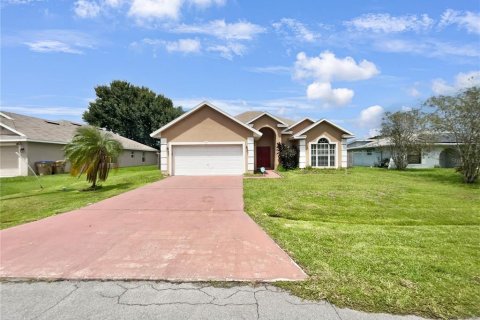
<point>91,152</point>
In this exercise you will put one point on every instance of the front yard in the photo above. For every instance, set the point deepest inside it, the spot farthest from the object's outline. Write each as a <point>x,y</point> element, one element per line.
<point>377,240</point>
<point>22,200</point>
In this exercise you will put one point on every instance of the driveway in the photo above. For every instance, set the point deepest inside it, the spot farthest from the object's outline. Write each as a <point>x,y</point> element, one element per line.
<point>180,228</point>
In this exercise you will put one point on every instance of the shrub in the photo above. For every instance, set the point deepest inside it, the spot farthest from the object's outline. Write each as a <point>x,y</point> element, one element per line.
<point>287,156</point>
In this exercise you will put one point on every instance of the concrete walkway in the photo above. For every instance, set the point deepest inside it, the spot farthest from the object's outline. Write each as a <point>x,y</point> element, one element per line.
<point>180,228</point>
<point>159,300</point>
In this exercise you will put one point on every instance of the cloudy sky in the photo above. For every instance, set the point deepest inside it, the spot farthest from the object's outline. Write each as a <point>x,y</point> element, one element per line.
<point>347,61</point>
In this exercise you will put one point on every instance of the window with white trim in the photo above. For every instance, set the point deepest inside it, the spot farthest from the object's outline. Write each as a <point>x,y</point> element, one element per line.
<point>322,153</point>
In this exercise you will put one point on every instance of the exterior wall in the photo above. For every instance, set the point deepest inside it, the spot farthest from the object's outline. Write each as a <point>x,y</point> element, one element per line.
<point>368,157</point>
<point>285,138</point>
<point>267,122</point>
<point>126,160</point>
<point>430,157</point>
<point>37,151</point>
<point>205,125</point>
<point>331,133</point>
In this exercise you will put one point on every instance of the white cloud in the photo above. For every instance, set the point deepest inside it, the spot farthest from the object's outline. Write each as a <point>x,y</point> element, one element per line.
<point>427,47</point>
<point>56,40</point>
<point>155,9</point>
<point>271,69</point>
<point>371,117</point>
<point>52,46</point>
<point>462,81</point>
<point>183,45</point>
<point>229,50</point>
<point>324,92</point>
<point>180,45</point>
<point>295,30</point>
<point>207,3</point>
<point>467,20</point>
<point>242,30</point>
<point>13,2</point>
<point>414,92</point>
<point>114,3</point>
<point>385,23</point>
<point>326,67</point>
<point>165,9</point>
<point>86,8</point>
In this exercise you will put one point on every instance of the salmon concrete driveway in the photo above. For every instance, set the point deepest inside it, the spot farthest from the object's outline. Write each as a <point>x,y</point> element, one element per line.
<point>180,228</point>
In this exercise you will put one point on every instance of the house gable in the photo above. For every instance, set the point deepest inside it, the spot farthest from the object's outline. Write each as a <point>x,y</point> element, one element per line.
<point>345,133</point>
<point>279,122</point>
<point>299,126</point>
<point>266,121</point>
<point>206,124</point>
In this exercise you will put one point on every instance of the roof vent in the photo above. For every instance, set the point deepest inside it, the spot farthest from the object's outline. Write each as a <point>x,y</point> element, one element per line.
<point>53,122</point>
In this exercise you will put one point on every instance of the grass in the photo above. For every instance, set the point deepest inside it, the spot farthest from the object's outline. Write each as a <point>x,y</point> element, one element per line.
<point>22,200</point>
<point>377,240</point>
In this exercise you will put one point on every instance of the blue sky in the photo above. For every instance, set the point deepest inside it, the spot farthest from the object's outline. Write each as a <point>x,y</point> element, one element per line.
<point>347,61</point>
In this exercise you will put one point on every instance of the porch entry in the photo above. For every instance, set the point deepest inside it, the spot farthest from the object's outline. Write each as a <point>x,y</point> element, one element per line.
<point>264,158</point>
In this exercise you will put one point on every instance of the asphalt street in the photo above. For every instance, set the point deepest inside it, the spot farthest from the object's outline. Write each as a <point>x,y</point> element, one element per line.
<point>163,300</point>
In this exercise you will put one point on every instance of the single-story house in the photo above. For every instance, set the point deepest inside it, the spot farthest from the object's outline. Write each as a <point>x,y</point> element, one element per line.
<point>25,140</point>
<point>208,141</point>
<point>441,153</point>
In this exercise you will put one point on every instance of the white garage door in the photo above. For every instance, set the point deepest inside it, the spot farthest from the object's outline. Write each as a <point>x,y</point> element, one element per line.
<point>198,160</point>
<point>8,161</point>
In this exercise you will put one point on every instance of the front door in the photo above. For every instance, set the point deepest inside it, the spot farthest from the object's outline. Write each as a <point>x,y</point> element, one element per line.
<point>263,157</point>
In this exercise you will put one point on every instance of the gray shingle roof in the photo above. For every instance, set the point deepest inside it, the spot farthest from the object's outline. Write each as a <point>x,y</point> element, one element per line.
<point>61,132</point>
<point>378,142</point>
<point>249,115</point>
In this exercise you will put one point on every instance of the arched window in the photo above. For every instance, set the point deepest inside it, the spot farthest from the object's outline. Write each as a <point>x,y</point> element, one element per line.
<point>322,153</point>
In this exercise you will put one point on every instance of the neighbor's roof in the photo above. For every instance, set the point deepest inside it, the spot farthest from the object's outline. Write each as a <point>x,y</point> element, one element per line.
<point>248,116</point>
<point>379,142</point>
<point>61,132</point>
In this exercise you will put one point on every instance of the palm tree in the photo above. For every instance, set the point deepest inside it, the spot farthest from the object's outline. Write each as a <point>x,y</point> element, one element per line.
<point>92,151</point>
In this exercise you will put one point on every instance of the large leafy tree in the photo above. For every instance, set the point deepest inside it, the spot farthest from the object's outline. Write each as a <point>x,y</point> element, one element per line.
<point>405,131</point>
<point>131,111</point>
<point>92,152</point>
<point>460,115</point>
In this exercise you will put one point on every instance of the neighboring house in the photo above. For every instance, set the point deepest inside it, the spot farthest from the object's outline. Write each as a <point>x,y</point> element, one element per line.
<point>26,140</point>
<point>208,141</point>
<point>372,152</point>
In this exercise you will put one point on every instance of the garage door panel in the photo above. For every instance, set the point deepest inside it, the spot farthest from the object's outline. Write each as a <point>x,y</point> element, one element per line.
<point>9,161</point>
<point>208,160</point>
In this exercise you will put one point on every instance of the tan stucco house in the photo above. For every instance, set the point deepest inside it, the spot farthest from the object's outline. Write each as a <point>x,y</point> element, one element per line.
<point>208,141</point>
<point>24,140</point>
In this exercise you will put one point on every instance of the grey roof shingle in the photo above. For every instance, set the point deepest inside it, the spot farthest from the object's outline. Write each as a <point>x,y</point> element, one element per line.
<point>61,132</point>
<point>249,115</point>
<point>379,142</point>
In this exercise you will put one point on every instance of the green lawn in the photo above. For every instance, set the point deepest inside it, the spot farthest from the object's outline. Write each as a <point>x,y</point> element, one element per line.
<point>22,200</point>
<point>377,240</point>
